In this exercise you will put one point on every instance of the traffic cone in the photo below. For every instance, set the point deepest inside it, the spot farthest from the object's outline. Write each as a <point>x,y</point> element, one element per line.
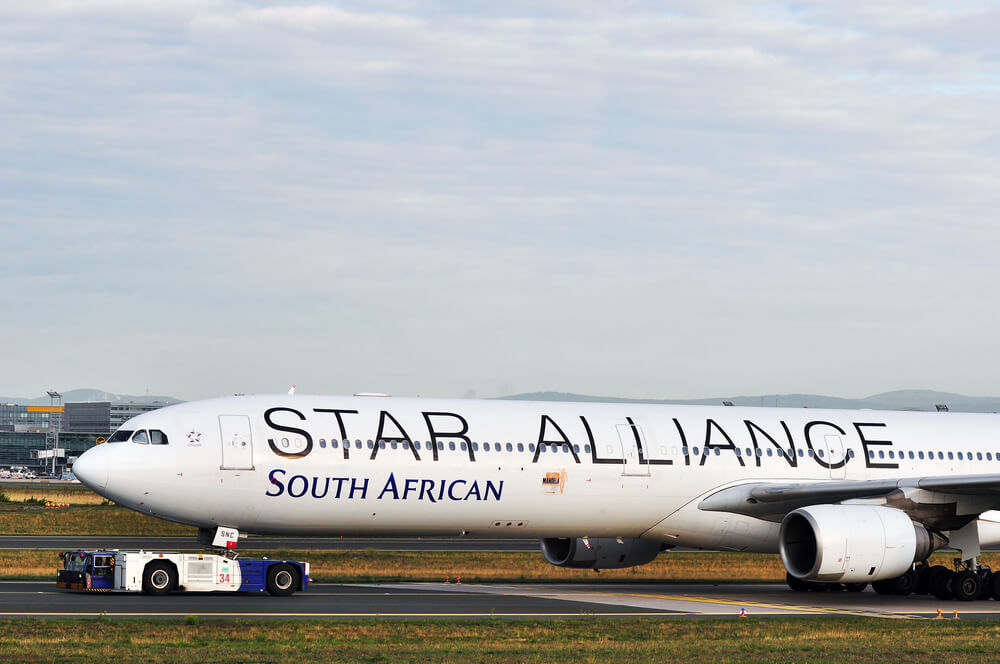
<point>940,614</point>
<point>743,613</point>
<point>956,615</point>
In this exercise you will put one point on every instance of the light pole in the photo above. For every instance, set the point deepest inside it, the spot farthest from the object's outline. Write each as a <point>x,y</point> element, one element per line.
<point>55,423</point>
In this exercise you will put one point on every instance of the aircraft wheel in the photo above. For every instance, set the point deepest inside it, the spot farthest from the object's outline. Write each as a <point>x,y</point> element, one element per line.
<point>282,579</point>
<point>796,584</point>
<point>855,587</point>
<point>904,584</point>
<point>883,587</point>
<point>995,585</point>
<point>923,575</point>
<point>939,583</point>
<point>966,585</point>
<point>159,578</point>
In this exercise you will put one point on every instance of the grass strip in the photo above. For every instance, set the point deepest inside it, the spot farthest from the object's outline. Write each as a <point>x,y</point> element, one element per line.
<point>371,566</point>
<point>85,519</point>
<point>582,640</point>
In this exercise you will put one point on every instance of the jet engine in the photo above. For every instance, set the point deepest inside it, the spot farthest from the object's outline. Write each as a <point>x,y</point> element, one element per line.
<point>599,552</point>
<point>852,543</point>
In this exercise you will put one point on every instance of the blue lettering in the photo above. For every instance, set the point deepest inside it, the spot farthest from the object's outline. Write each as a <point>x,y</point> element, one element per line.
<point>451,489</point>
<point>363,488</point>
<point>474,490</point>
<point>325,488</point>
<point>423,487</point>
<point>275,482</point>
<point>407,488</point>
<point>390,486</point>
<point>493,489</point>
<point>305,486</point>
<point>340,484</point>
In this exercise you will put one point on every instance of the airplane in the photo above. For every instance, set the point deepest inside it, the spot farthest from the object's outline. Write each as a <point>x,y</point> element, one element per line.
<point>847,498</point>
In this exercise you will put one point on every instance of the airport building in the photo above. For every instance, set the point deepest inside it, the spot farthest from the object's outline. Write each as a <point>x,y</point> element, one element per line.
<point>107,416</point>
<point>31,435</point>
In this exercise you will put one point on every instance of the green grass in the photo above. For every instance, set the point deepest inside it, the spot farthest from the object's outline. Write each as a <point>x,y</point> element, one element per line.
<point>31,518</point>
<point>580,641</point>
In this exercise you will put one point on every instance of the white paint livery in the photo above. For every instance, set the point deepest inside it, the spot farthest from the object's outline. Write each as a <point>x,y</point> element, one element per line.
<point>701,476</point>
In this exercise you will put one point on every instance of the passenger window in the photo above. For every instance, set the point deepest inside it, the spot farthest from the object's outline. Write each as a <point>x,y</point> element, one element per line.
<point>950,455</point>
<point>959,456</point>
<point>510,448</point>
<point>451,446</point>
<point>157,437</point>
<point>520,447</point>
<point>140,437</point>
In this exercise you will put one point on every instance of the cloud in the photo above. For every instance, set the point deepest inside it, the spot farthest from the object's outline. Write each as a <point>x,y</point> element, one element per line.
<point>595,197</point>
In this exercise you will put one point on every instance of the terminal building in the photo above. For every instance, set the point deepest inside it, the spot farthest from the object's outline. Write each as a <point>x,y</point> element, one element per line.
<point>31,436</point>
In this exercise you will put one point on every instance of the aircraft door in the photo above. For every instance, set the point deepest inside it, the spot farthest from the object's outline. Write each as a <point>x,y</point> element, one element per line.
<point>237,443</point>
<point>630,437</point>
<point>835,456</point>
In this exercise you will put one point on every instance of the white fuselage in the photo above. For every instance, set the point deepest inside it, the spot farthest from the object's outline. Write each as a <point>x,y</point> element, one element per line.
<point>298,464</point>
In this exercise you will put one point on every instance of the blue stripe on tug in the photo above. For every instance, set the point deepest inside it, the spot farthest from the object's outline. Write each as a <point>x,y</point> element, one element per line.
<point>254,574</point>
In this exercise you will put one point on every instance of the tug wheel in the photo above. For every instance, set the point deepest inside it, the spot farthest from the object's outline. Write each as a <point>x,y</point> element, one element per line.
<point>159,578</point>
<point>282,579</point>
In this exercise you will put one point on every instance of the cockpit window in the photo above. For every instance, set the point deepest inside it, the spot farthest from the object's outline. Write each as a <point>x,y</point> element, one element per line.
<point>140,437</point>
<point>120,436</point>
<point>157,437</point>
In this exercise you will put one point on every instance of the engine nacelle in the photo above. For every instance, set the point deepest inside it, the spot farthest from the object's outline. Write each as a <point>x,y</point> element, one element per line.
<point>852,543</point>
<point>599,552</point>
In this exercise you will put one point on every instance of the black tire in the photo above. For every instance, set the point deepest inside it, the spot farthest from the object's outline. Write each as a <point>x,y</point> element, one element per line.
<point>855,587</point>
<point>965,585</point>
<point>995,585</point>
<point>939,583</point>
<point>883,587</point>
<point>796,584</point>
<point>282,579</point>
<point>159,578</point>
<point>904,584</point>
<point>923,576</point>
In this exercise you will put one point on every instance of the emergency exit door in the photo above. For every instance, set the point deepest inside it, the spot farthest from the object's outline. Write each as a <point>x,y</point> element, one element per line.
<point>237,444</point>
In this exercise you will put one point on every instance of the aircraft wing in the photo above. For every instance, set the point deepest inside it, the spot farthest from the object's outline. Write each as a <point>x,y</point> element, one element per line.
<point>942,501</point>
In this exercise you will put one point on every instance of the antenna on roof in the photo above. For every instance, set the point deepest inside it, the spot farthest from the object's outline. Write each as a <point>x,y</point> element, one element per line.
<point>942,408</point>
<point>291,390</point>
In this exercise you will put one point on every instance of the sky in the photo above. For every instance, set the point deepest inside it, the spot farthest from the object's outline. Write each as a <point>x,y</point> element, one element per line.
<point>632,199</point>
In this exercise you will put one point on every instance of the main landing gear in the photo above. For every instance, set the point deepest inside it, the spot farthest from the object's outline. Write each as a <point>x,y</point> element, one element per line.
<point>968,581</point>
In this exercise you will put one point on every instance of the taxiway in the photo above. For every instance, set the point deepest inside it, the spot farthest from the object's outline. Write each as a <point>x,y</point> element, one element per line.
<point>439,600</point>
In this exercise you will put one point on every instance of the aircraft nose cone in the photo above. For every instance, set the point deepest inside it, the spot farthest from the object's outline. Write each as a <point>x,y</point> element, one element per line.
<point>92,468</point>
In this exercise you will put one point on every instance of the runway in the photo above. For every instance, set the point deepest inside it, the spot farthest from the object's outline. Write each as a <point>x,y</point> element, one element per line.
<point>438,600</point>
<point>253,543</point>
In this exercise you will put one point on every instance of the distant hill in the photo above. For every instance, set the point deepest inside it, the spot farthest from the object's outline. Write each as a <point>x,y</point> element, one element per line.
<point>90,395</point>
<point>898,400</point>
